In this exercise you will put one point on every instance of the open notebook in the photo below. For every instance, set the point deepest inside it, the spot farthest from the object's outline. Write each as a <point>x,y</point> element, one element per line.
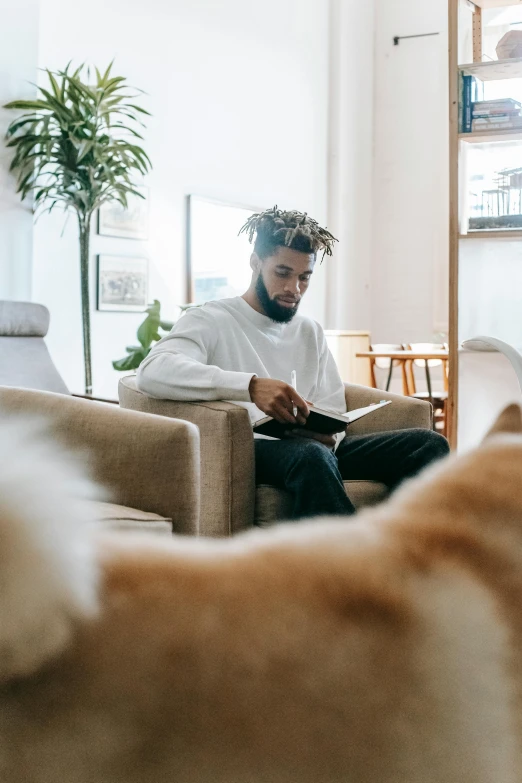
<point>323,422</point>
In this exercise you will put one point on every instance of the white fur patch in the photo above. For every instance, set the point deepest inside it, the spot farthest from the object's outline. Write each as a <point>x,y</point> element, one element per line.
<point>48,573</point>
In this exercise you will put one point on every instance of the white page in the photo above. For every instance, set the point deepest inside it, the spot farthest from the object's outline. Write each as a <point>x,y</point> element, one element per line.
<point>360,412</point>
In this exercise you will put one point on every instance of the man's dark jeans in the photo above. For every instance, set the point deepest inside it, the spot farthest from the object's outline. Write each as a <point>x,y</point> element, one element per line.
<point>314,475</point>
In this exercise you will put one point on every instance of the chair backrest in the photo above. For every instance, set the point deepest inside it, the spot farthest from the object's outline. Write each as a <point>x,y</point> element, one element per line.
<point>24,359</point>
<point>384,364</point>
<point>421,347</point>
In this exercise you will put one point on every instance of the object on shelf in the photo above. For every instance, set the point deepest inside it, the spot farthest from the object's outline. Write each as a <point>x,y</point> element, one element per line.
<point>499,114</point>
<point>469,84</point>
<point>472,92</point>
<point>495,222</point>
<point>494,175</point>
<point>501,207</point>
<point>510,46</point>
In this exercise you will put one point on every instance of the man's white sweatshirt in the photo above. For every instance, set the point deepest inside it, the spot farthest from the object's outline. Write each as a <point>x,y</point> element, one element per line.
<point>213,352</point>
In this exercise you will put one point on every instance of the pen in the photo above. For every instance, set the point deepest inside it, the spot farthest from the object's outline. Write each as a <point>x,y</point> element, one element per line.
<point>294,385</point>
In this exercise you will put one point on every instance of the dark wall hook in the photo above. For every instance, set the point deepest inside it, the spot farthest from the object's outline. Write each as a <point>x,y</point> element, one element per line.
<point>399,38</point>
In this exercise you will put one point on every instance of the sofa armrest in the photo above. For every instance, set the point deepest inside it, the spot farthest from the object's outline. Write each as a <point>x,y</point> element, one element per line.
<point>227,456</point>
<point>147,463</point>
<point>404,413</point>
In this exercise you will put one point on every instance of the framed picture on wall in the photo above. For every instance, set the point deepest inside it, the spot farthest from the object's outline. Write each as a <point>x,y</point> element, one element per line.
<point>123,283</point>
<point>130,223</point>
<point>217,258</point>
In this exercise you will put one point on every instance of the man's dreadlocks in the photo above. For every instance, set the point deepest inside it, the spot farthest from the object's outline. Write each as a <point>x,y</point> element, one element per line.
<point>275,228</point>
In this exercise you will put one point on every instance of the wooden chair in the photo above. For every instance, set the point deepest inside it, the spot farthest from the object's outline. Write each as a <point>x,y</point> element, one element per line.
<point>438,398</point>
<point>388,364</point>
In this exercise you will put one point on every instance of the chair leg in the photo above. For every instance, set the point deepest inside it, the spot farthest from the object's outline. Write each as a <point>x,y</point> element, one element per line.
<point>405,386</point>
<point>411,378</point>
<point>372,374</point>
<point>390,373</point>
<point>428,382</point>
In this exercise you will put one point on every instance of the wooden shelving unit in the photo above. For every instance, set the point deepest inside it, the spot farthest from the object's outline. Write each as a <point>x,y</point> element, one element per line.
<point>494,70</point>
<point>491,137</point>
<point>499,234</point>
<point>484,71</point>
<point>454,144</point>
<point>496,3</point>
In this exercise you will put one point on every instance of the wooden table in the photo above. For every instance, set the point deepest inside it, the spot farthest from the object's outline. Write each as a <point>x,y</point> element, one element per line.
<point>405,356</point>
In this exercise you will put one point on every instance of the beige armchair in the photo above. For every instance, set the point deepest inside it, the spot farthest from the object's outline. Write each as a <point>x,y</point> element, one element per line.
<point>230,500</point>
<point>149,465</point>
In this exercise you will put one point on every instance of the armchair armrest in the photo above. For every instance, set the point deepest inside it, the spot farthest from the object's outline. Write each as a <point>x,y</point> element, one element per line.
<point>147,463</point>
<point>227,456</point>
<point>405,412</point>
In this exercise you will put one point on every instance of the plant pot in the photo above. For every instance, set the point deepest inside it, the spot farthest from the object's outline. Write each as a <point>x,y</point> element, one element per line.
<point>510,45</point>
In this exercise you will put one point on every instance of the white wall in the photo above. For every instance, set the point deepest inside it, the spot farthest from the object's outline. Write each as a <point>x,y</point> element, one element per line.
<point>18,64</point>
<point>239,97</point>
<point>388,169</point>
<point>350,163</point>
<point>409,277</point>
<point>490,281</point>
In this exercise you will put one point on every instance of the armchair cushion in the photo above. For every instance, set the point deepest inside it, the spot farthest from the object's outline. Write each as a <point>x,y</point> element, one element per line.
<point>23,319</point>
<point>274,504</point>
<point>116,517</point>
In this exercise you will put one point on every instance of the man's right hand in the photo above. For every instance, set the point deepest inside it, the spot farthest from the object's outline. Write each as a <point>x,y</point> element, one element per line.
<point>277,399</point>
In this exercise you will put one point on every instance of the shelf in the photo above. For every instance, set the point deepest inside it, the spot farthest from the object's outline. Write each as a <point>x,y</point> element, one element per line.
<point>494,70</point>
<point>491,137</point>
<point>496,3</point>
<point>344,333</point>
<point>505,233</point>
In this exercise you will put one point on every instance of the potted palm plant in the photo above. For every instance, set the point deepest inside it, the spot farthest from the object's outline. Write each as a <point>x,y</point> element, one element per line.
<point>77,146</point>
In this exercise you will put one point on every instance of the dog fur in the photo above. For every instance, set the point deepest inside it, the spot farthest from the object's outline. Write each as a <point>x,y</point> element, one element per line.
<point>381,649</point>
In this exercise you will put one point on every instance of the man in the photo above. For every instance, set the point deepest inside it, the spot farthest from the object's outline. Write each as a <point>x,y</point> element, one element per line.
<point>244,350</point>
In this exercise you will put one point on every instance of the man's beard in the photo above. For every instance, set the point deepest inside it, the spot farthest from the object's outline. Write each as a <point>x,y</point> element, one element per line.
<point>273,309</point>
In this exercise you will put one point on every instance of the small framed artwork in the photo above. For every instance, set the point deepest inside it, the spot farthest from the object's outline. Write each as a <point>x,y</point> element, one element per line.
<point>218,260</point>
<point>123,283</point>
<point>130,223</point>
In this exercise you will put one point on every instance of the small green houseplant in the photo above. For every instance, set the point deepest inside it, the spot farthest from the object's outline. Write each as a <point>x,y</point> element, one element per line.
<point>148,333</point>
<point>76,145</point>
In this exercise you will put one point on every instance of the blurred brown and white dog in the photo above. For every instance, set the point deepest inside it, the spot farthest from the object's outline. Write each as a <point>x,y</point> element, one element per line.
<point>387,649</point>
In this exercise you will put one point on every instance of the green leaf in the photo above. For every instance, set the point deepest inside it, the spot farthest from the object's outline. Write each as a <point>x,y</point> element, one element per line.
<point>107,72</point>
<point>56,89</point>
<point>148,330</point>
<point>27,105</point>
<point>131,362</point>
<point>72,145</point>
<point>139,109</point>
